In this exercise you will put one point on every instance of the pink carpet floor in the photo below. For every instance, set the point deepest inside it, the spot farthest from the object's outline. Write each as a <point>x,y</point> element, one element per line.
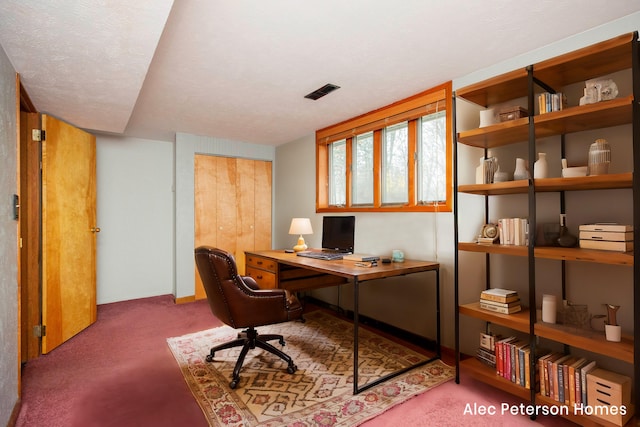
<point>120,372</point>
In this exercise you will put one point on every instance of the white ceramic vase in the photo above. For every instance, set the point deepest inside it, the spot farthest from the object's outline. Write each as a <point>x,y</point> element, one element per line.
<point>540,167</point>
<point>549,308</point>
<point>521,171</point>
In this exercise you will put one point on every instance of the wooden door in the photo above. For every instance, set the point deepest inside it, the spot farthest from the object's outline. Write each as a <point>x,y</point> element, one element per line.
<point>262,213</point>
<point>68,231</point>
<point>232,207</point>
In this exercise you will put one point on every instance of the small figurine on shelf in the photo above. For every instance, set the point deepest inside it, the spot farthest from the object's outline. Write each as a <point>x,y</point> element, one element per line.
<point>565,239</point>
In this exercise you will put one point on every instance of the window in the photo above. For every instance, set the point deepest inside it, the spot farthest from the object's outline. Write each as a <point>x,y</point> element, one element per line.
<point>397,158</point>
<point>432,159</point>
<point>338,172</point>
<point>363,170</point>
<point>395,168</point>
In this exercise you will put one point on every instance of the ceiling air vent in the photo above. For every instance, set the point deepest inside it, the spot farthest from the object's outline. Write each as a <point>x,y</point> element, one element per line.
<point>324,90</point>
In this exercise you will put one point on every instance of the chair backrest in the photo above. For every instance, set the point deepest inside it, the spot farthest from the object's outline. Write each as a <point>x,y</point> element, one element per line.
<point>221,282</point>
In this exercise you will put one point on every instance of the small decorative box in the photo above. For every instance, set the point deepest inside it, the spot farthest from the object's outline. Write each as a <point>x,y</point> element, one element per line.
<point>609,395</point>
<point>513,113</point>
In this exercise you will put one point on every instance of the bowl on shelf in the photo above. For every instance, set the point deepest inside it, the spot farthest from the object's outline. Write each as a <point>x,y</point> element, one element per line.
<point>574,171</point>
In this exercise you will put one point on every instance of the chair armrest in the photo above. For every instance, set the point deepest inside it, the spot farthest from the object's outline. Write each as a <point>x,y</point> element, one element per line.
<point>250,282</point>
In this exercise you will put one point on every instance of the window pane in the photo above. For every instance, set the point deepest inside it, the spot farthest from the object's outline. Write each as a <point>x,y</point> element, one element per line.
<point>338,173</point>
<point>362,192</point>
<point>432,159</point>
<point>395,155</point>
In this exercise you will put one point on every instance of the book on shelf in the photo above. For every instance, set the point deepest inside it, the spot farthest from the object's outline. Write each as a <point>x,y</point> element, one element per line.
<point>544,383</point>
<point>572,384</point>
<point>501,304</point>
<point>605,245</point>
<point>552,374</point>
<point>499,295</point>
<point>487,357</point>
<point>563,379</point>
<point>583,379</point>
<point>497,309</point>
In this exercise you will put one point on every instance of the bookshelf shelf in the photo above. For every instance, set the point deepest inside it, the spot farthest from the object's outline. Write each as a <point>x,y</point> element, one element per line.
<point>593,341</point>
<point>597,182</point>
<point>551,252</point>
<point>517,321</point>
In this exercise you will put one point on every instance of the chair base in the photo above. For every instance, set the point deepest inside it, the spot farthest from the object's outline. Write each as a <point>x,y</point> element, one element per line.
<point>249,339</point>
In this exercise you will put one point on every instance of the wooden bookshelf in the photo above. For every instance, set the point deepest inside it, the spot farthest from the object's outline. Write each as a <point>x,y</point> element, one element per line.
<point>595,61</point>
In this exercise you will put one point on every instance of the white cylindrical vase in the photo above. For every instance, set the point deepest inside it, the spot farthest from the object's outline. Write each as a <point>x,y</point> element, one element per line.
<point>549,308</point>
<point>540,167</point>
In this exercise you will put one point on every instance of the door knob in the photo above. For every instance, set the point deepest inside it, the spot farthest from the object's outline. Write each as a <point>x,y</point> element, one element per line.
<point>95,229</point>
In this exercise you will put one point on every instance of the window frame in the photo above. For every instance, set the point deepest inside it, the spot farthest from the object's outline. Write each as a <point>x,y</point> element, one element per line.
<point>411,110</point>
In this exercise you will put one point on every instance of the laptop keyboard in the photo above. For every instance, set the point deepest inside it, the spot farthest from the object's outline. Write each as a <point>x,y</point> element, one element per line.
<point>321,255</point>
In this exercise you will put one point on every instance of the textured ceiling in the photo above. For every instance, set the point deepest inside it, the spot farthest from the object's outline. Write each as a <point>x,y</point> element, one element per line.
<point>240,69</point>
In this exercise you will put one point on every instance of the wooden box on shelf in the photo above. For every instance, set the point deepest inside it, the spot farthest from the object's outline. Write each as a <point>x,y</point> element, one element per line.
<point>513,113</point>
<point>610,392</point>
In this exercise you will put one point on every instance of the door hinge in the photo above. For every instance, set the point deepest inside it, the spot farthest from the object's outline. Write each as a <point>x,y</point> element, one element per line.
<point>37,135</point>
<point>39,331</point>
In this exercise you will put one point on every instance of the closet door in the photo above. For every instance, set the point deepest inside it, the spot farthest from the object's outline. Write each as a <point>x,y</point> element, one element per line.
<point>232,207</point>
<point>262,213</point>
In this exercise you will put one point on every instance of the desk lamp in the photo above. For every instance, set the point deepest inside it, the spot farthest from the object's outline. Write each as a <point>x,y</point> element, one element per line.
<point>300,226</point>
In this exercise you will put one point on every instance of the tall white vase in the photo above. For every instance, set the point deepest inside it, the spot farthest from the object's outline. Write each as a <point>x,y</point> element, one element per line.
<point>521,171</point>
<point>540,167</point>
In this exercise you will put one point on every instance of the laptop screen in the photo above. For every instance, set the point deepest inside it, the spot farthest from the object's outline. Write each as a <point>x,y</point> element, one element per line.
<point>338,233</point>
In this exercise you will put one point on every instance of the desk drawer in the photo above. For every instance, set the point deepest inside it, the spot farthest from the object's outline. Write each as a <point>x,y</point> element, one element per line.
<point>262,263</point>
<point>265,279</point>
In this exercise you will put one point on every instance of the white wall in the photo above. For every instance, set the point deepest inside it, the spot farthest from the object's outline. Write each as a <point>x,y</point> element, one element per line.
<point>8,242</point>
<point>135,215</point>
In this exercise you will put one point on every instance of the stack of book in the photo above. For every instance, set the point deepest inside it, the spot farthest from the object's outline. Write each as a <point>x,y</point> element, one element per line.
<point>563,377</point>
<point>514,231</point>
<point>504,301</point>
<point>487,351</point>
<point>607,237</point>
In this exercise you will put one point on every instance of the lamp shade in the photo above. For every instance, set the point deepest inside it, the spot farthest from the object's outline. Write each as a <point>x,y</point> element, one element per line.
<point>300,226</point>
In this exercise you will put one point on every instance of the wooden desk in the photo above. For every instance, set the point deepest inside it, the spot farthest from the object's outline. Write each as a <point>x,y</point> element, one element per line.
<point>277,269</point>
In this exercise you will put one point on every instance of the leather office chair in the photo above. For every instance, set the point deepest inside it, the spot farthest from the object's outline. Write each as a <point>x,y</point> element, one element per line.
<point>238,302</point>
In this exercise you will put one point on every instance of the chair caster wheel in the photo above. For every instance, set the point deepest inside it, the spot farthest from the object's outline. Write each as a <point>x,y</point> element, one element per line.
<point>292,369</point>
<point>281,341</point>
<point>233,384</point>
<point>209,358</point>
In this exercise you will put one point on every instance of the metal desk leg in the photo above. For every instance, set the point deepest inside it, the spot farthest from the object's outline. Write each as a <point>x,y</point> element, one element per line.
<point>356,294</point>
<point>356,309</point>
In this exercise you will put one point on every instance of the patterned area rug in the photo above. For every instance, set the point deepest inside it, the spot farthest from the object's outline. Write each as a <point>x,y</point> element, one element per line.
<point>320,392</point>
